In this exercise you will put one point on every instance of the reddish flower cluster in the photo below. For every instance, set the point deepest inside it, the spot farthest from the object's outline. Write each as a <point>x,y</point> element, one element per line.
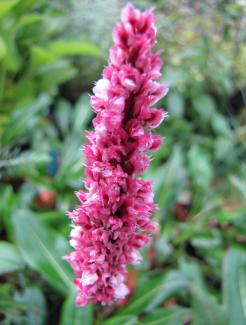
<point>111,223</point>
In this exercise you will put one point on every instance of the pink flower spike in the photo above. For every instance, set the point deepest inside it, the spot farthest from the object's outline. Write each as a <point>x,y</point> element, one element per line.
<point>113,219</point>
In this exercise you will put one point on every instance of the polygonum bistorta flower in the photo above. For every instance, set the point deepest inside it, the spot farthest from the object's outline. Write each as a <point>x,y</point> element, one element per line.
<point>114,217</point>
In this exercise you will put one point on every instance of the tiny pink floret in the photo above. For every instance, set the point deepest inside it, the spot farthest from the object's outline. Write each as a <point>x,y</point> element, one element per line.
<point>114,218</point>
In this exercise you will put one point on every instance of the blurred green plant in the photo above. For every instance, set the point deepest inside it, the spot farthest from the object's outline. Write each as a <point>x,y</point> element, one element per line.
<point>33,60</point>
<point>194,270</point>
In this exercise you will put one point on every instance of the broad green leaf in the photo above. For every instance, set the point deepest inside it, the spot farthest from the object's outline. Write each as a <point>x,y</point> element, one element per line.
<point>168,182</point>
<point>70,166</point>
<point>26,6</point>
<point>41,56</point>
<point>206,310</point>
<point>193,273</point>
<point>42,249</point>
<point>8,305</point>
<point>35,307</point>
<point>8,203</point>
<point>55,73</point>
<point>24,119</point>
<point>122,320</point>
<point>242,287</point>
<point>169,175</point>
<point>175,77</point>
<point>223,149</point>
<point>61,48</point>
<point>175,104</point>
<point>205,106</point>
<point>26,158</point>
<point>174,315</point>
<point>234,261</point>
<point>6,6</point>
<point>3,49</point>
<point>73,315</point>
<point>221,125</point>
<point>200,167</point>
<point>29,19</point>
<point>63,116</point>
<point>53,218</point>
<point>207,243</point>
<point>151,292</point>
<point>12,59</point>
<point>83,114</point>
<point>10,259</point>
<point>239,184</point>
<point>71,159</point>
<point>175,283</point>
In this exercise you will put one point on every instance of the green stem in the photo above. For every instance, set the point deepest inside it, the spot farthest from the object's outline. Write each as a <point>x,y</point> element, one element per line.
<point>99,315</point>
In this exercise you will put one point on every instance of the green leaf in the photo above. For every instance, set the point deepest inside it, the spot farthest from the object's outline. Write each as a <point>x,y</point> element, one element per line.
<point>169,175</point>
<point>205,106</point>
<point>174,315</point>
<point>223,149</point>
<point>221,125</point>
<point>83,114</point>
<point>8,203</point>
<point>175,104</point>
<point>61,48</point>
<point>3,49</point>
<point>63,113</point>
<point>53,74</point>
<point>35,313</point>
<point>6,6</point>
<point>168,182</point>
<point>242,287</point>
<point>24,119</point>
<point>53,218</point>
<point>192,272</point>
<point>234,261</point>
<point>206,310</point>
<point>200,167</point>
<point>206,242</point>
<point>174,283</point>
<point>122,320</point>
<point>27,5</point>
<point>12,59</point>
<point>71,162</point>
<point>73,315</point>
<point>41,56</point>
<point>175,77</point>
<point>151,292</point>
<point>26,158</point>
<point>10,259</point>
<point>239,184</point>
<point>29,19</point>
<point>8,305</point>
<point>42,249</point>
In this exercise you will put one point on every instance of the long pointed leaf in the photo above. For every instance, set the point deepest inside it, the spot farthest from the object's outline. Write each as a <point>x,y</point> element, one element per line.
<point>232,293</point>
<point>74,315</point>
<point>42,249</point>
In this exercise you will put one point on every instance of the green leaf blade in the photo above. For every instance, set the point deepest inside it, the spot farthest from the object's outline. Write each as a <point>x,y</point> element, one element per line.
<point>42,249</point>
<point>61,48</point>
<point>10,259</point>
<point>73,315</point>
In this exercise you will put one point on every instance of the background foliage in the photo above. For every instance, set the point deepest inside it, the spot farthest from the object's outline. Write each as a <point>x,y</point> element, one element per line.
<point>194,270</point>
